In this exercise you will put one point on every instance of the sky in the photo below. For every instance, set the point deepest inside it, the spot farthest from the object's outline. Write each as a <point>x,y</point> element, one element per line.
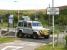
<point>29,4</point>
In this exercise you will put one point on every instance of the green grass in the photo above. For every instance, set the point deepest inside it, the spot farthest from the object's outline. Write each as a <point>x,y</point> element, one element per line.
<point>3,25</point>
<point>6,39</point>
<point>49,47</point>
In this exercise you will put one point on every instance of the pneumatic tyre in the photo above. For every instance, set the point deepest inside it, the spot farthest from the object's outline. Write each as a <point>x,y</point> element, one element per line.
<point>34,36</point>
<point>20,34</point>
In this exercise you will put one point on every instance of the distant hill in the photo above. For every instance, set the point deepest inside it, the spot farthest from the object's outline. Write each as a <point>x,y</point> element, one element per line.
<point>63,7</point>
<point>63,10</point>
<point>41,14</point>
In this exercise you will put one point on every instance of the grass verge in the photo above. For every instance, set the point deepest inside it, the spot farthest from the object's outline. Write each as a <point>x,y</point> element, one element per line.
<point>49,47</point>
<point>6,39</point>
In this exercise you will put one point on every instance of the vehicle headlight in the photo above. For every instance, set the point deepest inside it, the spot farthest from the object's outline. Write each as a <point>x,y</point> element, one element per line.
<point>44,32</point>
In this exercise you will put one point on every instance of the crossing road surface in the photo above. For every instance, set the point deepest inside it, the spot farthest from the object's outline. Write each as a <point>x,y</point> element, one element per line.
<point>25,44</point>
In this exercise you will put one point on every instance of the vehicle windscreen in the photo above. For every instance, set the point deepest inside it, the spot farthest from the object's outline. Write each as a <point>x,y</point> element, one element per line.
<point>36,24</point>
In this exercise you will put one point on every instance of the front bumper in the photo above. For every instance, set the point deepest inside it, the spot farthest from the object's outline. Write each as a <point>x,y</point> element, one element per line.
<point>44,32</point>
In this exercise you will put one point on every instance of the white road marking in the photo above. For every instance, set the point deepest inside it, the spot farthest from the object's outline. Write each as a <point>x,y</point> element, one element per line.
<point>22,45</point>
<point>32,44</point>
<point>13,47</point>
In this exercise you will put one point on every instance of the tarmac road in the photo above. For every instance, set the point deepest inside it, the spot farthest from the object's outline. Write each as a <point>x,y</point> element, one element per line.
<point>25,44</point>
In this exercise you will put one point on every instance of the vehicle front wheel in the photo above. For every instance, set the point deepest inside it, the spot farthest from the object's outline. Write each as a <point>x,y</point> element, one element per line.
<point>34,36</point>
<point>20,34</point>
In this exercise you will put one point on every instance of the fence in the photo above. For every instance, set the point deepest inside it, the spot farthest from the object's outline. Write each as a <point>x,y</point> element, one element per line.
<point>8,32</point>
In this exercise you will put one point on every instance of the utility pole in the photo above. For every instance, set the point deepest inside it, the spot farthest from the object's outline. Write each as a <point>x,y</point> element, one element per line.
<point>53,11</point>
<point>18,15</point>
<point>49,17</point>
<point>36,18</point>
<point>53,20</point>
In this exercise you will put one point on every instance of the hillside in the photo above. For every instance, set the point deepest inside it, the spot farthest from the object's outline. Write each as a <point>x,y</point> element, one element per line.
<point>41,15</point>
<point>63,7</point>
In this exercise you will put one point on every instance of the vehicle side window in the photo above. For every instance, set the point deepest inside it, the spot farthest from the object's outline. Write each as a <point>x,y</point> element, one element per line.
<point>29,24</point>
<point>19,24</point>
<point>25,24</point>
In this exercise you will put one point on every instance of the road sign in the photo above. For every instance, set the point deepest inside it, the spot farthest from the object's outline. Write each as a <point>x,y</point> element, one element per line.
<point>53,11</point>
<point>11,19</point>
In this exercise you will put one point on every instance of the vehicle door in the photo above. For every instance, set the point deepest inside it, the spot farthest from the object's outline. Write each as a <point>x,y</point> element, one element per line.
<point>27,28</point>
